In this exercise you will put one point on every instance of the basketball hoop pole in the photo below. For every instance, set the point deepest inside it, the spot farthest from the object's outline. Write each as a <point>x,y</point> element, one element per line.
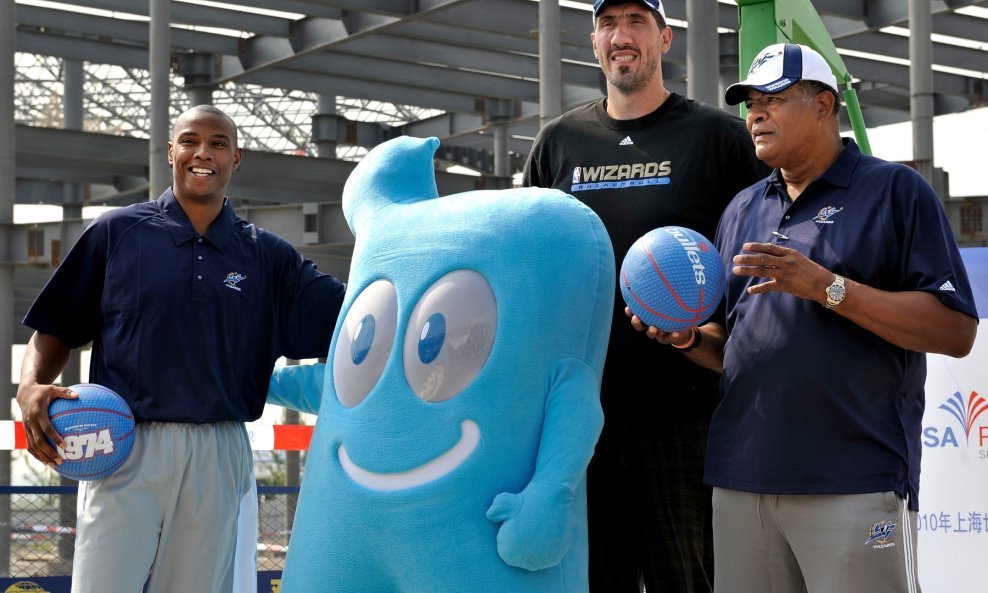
<point>764,22</point>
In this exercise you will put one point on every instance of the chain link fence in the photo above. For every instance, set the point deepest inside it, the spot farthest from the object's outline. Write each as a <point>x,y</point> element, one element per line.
<point>37,529</point>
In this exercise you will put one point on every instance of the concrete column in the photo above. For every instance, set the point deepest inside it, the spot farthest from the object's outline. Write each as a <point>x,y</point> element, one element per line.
<point>502,152</point>
<point>498,116</point>
<point>197,70</point>
<point>921,86</point>
<point>550,65</point>
<point>8,172</point>
<point>72,116</point>
<point>159,63</point>
<point>200,95</point>
<point>702,52</point>
<point>324,124</point>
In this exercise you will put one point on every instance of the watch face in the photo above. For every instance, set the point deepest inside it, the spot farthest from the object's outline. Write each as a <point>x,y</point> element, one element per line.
<point>835,292</point>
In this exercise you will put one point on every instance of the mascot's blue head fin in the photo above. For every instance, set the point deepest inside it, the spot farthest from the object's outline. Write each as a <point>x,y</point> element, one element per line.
<point>399,170</point>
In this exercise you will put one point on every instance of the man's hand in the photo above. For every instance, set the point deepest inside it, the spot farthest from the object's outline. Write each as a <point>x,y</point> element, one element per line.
<point>44,358</point>
<point>703,345</point>
<point>34,401</point>
<point>787,270</point>
<point>676,338</point>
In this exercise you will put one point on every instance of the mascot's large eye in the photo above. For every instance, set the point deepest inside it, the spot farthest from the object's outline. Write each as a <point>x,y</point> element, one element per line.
<point>364,343</point>
<point>450,335</point>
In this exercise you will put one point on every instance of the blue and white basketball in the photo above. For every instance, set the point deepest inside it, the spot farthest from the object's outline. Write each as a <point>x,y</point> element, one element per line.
<point>672,278</point>
<point>98,430</point>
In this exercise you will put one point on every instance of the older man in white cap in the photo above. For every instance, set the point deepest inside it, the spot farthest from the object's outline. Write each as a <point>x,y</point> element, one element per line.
<point>645,157</point>
<point>844,273</point>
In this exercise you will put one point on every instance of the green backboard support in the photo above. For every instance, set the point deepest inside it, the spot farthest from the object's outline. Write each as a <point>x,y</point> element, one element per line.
<point>764,22</point>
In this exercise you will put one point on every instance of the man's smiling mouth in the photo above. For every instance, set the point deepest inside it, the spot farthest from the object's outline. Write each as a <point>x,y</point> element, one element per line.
<point>429,471</point>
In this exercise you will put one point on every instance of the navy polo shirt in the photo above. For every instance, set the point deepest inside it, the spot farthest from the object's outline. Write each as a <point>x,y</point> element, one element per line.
<point>187,328</point>
<point>811,402</point>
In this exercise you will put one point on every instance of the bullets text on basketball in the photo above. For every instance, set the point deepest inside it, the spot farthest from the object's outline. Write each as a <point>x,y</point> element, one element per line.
<point>692,254</point>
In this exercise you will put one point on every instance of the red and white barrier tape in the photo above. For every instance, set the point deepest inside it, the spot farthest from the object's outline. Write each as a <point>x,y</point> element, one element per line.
<point>263,437</point>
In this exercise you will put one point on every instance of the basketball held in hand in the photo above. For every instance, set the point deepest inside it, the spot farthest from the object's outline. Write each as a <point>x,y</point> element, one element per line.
<point>672,278</point>
<point>98,430</point>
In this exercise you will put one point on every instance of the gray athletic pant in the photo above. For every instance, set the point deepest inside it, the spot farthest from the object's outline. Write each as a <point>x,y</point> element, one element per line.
<point>846,543</point>
<point>169,513</point>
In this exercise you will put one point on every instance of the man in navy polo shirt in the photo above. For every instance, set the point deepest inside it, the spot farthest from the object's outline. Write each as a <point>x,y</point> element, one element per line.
<point>844,273</point>
<point>187,308</point>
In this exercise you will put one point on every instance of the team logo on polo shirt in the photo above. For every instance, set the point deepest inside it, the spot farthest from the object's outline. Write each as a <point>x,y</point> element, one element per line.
<point>824,215</point>
<point>233,279</point>
<point>880,533</point>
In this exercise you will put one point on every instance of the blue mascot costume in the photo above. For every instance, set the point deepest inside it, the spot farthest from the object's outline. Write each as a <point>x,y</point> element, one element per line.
<point>459,405</point>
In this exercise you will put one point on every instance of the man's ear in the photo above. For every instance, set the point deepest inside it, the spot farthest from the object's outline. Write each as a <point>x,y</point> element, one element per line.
<point>593,45</point>
<point>171,161</point>
<point>825,102</point>
<point>666,36</point>
<point>236,159</point>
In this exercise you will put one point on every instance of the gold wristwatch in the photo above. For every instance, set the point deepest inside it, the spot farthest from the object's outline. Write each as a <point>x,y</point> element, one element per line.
<point>835,292</point>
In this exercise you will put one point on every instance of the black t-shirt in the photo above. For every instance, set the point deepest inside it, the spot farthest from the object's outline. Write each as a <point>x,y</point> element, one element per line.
<point>679,165</point>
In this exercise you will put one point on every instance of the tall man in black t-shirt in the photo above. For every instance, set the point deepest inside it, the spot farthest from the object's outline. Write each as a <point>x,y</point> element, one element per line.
<point>642,158</point>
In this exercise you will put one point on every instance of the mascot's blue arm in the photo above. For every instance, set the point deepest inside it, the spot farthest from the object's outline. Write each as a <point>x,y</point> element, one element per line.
<point>538,522</point>
<point>298,387</point>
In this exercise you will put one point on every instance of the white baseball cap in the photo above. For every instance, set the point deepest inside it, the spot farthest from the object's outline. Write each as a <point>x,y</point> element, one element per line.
<point>778,67</point>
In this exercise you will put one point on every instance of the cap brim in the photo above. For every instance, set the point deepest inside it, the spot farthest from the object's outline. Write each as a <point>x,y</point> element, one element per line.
<point>738,92</point>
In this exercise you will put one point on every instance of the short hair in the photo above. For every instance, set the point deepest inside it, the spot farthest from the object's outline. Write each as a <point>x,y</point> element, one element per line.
<point>207,108</point>
<point>812,88</point>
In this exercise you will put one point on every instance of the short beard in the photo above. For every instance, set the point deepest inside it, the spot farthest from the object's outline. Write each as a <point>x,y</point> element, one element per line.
<point>629,84</point>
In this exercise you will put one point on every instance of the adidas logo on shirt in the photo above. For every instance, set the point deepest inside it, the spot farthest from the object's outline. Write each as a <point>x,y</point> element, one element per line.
<point>947,287</point>
<point>626,142</point>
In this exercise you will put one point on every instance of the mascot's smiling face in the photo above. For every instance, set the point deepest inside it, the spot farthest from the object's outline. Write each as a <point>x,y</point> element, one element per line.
<point>447,341</point>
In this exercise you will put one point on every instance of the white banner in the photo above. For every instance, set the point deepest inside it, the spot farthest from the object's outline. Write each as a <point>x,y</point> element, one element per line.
<point>953,513</point>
